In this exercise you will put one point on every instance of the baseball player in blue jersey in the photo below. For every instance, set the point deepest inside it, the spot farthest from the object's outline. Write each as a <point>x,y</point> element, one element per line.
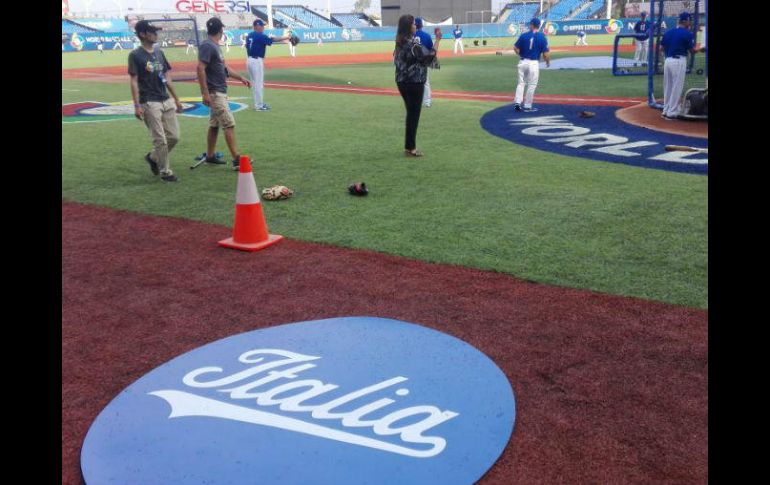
<point>256,45</point>
<point>428,43</point>
<point>458,33</point>
<point>641,29</point>
<point>530,46</point>
<point>677,43</point>
<point>581,38</point>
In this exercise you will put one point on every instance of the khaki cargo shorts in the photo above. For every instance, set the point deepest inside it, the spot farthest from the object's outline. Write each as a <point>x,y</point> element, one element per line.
<point>220,117</point>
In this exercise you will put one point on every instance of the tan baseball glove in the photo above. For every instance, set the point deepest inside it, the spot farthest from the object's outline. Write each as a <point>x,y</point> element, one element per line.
<point>277,192</point>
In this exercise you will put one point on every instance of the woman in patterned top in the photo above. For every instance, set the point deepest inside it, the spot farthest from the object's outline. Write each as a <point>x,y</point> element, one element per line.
<point>411,73</point>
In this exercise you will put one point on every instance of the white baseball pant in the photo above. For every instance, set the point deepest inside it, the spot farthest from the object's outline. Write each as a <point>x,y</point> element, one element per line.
<point>674,72</point>
<point>426,99</point>
<point>529,73</point>
<point>292,50</point>
<point>459,43</point>
<point>256,68</point>
<point>640,55</point>
<point>581,41</point>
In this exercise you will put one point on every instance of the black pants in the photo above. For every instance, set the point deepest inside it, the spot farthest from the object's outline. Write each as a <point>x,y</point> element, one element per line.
<point>412,94</point>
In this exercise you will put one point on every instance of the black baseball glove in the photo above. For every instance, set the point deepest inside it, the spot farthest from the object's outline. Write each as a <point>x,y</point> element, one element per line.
<point>358,189</point>
<point>294,40</point>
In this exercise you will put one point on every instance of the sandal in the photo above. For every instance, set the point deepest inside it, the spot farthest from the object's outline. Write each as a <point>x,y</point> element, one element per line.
<point>415,153</point>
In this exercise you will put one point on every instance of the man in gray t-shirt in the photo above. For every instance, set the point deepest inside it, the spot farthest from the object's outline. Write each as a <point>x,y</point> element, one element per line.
<point>155,100</point>
<point>212,78</point>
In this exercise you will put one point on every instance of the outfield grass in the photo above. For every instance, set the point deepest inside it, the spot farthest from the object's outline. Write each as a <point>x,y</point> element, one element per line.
<point>474,200</point>
<point>77,60</point>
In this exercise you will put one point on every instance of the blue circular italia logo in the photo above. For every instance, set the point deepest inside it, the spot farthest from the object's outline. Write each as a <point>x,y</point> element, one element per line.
<point>342,401</point>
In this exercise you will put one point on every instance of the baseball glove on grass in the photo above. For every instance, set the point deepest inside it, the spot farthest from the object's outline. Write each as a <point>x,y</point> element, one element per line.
<point>294,40</point>
<point>277,192</point>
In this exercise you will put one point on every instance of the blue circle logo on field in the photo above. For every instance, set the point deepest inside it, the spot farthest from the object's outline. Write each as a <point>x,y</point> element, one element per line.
<point>95,111</point>
<point>341,401</point>
<point>560,129</point>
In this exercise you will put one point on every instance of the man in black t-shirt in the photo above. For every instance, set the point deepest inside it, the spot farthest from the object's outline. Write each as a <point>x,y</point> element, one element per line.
<point>150,88</point>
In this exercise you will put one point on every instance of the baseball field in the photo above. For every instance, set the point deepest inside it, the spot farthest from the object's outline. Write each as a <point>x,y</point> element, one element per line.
<point>585,280</point>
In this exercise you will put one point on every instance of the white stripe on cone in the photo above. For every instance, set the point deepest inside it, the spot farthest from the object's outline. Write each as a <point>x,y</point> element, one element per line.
<point>247,189</point>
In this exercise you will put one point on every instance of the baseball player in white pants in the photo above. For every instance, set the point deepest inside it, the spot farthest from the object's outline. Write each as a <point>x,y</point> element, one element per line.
<point>674,72</point>
<point>678,43</point>
<point>530,46</point>
<point>256,48</point>
<point>425,40</point>
<point>292,47</point>
<point>642,46</point>
<point>458,33</point>
<point>643,43</point>
<point>256,68</point>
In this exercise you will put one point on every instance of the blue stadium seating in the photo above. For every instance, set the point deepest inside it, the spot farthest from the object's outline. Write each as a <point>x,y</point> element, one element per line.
<point>351,20</point>
<point>521,13</point>
<point>594,6</point>
<point>563,9</point>
<point>69,27</point>
<point>305,16</point>
<point>518,12</point>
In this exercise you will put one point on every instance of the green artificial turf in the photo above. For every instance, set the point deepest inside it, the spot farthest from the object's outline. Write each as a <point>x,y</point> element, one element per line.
<point>473,200</point>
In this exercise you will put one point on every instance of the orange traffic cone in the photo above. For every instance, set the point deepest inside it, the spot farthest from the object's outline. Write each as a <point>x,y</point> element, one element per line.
<point>250,231</point>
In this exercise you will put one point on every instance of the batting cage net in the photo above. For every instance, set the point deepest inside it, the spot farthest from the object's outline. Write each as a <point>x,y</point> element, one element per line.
<point>664,16</point>
<point>179,39</point>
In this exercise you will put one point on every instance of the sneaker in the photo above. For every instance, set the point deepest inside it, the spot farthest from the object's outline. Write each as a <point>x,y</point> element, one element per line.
<point>517,107</point>
<point>169,178</point>
<point>262,107</point>
<point>215,161</point>
<point>237,163</point>
<point>529,110</point>
<point>153,165</point>
<point>427,105</point>
<point>668,118</point>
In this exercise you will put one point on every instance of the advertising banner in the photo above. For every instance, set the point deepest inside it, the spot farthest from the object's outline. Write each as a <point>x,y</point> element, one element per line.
<point>364,34</point>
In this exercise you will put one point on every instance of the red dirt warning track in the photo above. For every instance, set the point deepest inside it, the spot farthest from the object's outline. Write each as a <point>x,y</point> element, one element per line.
<point>609,390</point>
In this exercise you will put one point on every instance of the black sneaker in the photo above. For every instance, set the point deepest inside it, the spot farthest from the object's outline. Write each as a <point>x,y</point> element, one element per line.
<point>530,109</point>
<point>169,178</point>
<point>153,165</point>
<point>517,107</point>
<point>237,163</point>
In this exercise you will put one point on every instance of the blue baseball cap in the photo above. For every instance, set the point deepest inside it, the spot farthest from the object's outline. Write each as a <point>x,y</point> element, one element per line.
<point>684,16</point>
<point>418,22</point>
<point>259,22</point>
<point>536,22</point>
<point>643,14</point>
